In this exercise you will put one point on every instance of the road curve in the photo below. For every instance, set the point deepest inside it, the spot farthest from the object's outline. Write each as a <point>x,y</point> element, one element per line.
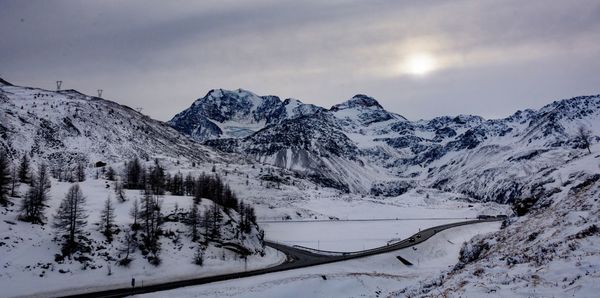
<point>296,258</point>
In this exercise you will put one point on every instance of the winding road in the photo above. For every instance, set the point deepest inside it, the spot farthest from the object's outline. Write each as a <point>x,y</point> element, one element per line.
<point>296,258</point>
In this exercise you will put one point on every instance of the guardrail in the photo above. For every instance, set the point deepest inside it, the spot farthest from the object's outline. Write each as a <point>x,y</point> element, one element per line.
<point>357,219</point>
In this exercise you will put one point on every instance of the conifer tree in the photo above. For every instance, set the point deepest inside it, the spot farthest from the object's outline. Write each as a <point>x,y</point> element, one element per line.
<point>80,172</point>
<point>24,170</point>
<point>133,174</point>
<point>14,181</point>
<point>216,218</point>
<point>5,181</point>
<point>34,203</point>
<point>119,192</point>
<point>134,212</point>
<point>71,217</point>
<point>110,174</point>
<point>107,219</point>
<point>199,256</point>
<point>189,185</point>
<point>194,221</point>
<point>156,179</point>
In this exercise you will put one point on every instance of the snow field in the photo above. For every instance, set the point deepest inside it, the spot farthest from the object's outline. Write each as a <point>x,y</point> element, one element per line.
<point>27,257</point>
<point>374,276</point>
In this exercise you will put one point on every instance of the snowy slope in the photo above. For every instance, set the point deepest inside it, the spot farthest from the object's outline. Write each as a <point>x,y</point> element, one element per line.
<point>375,276</point>
<point>67,126</point>
<point>552,251</point>
<point>29,264</point>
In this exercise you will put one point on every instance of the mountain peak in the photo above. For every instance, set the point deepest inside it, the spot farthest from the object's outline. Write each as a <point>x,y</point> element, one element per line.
<point>359,100</point>
<point>217,93</point>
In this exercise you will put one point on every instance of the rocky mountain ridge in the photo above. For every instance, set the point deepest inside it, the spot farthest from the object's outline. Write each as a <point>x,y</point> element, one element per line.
<point>464,153</point>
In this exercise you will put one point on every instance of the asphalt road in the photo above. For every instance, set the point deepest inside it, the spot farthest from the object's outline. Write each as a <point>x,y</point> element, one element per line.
<point>296,258</point>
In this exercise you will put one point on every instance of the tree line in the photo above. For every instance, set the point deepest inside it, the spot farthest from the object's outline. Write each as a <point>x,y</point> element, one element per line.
<point>155,180</point>
<point>144,231</point>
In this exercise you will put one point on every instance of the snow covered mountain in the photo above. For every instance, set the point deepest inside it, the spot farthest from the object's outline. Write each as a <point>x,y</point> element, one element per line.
<point>358,146</point>
<point>67,126</point>
<point>551,250</point>
<point>239,113</point>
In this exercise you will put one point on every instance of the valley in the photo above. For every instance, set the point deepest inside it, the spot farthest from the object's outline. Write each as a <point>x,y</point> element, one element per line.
<point>237,174</point>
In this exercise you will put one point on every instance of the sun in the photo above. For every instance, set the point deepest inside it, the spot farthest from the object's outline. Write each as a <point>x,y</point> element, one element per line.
<point>419,64</point>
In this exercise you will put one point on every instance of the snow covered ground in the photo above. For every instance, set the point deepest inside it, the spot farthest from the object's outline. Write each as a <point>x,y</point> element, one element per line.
<point>552,251</point>
<point>346,236</point>
<point>358,223</point>
<point>27,256</point>
<point>375,276</point>
<point>27,253</point>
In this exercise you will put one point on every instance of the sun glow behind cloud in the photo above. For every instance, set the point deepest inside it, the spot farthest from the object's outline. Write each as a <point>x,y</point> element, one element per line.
<point>419,64</point>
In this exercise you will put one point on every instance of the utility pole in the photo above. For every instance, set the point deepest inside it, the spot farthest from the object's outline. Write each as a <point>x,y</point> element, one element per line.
<point>58,84</point>
<point>100,93</point>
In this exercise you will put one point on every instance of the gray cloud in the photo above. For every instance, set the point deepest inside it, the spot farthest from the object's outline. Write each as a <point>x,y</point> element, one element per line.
<point>494,56</point>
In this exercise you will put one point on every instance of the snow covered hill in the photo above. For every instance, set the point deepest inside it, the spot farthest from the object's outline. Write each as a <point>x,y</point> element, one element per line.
<point>31,254</point>
<point>551,251</point>
<point>66,126</point>
<point>358,146</point>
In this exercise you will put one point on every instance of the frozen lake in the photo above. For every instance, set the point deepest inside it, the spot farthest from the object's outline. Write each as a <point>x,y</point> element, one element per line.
<point>347,236</point>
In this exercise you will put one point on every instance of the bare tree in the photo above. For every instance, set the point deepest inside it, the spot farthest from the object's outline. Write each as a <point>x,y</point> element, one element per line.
<point>80,172</point>
<point>151,219</point>
<point>107,219</point>
<point>119,192</point>
<point>34,202</point>
<point>216,217</point>
<point>14,181</point>
<point>134,212</point>
<point>194,221</point>
<point>4,179</point>
<point>71,217</point>
<point>584,136</point>
<point>110,174</point>
<point>24,170</point>
<point>199,256</point>
<point>129,245</point>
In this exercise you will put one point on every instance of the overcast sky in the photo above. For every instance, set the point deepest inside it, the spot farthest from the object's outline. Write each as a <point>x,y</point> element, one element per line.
<point>420,59</point>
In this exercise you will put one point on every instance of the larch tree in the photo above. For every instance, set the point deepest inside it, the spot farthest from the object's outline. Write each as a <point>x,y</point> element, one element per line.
<point>4,179</point>
<point>216,217</point>
<point>194,221</point>
<point>199,256</point>
<point>80,172</point>
<point>133,174</point>
<point>134,212</point>
<point>107,219</point>
<point>156,179</point>
<point>34,203</point>
<point>151,219</point>
<point>189,185</point>
<point>14,181</point>
<point>119,192</point>
<point>584,136</point>
<point>24,169</point>
<point>110,174</point>
<point>128,246</point>
<point>70,218</point>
